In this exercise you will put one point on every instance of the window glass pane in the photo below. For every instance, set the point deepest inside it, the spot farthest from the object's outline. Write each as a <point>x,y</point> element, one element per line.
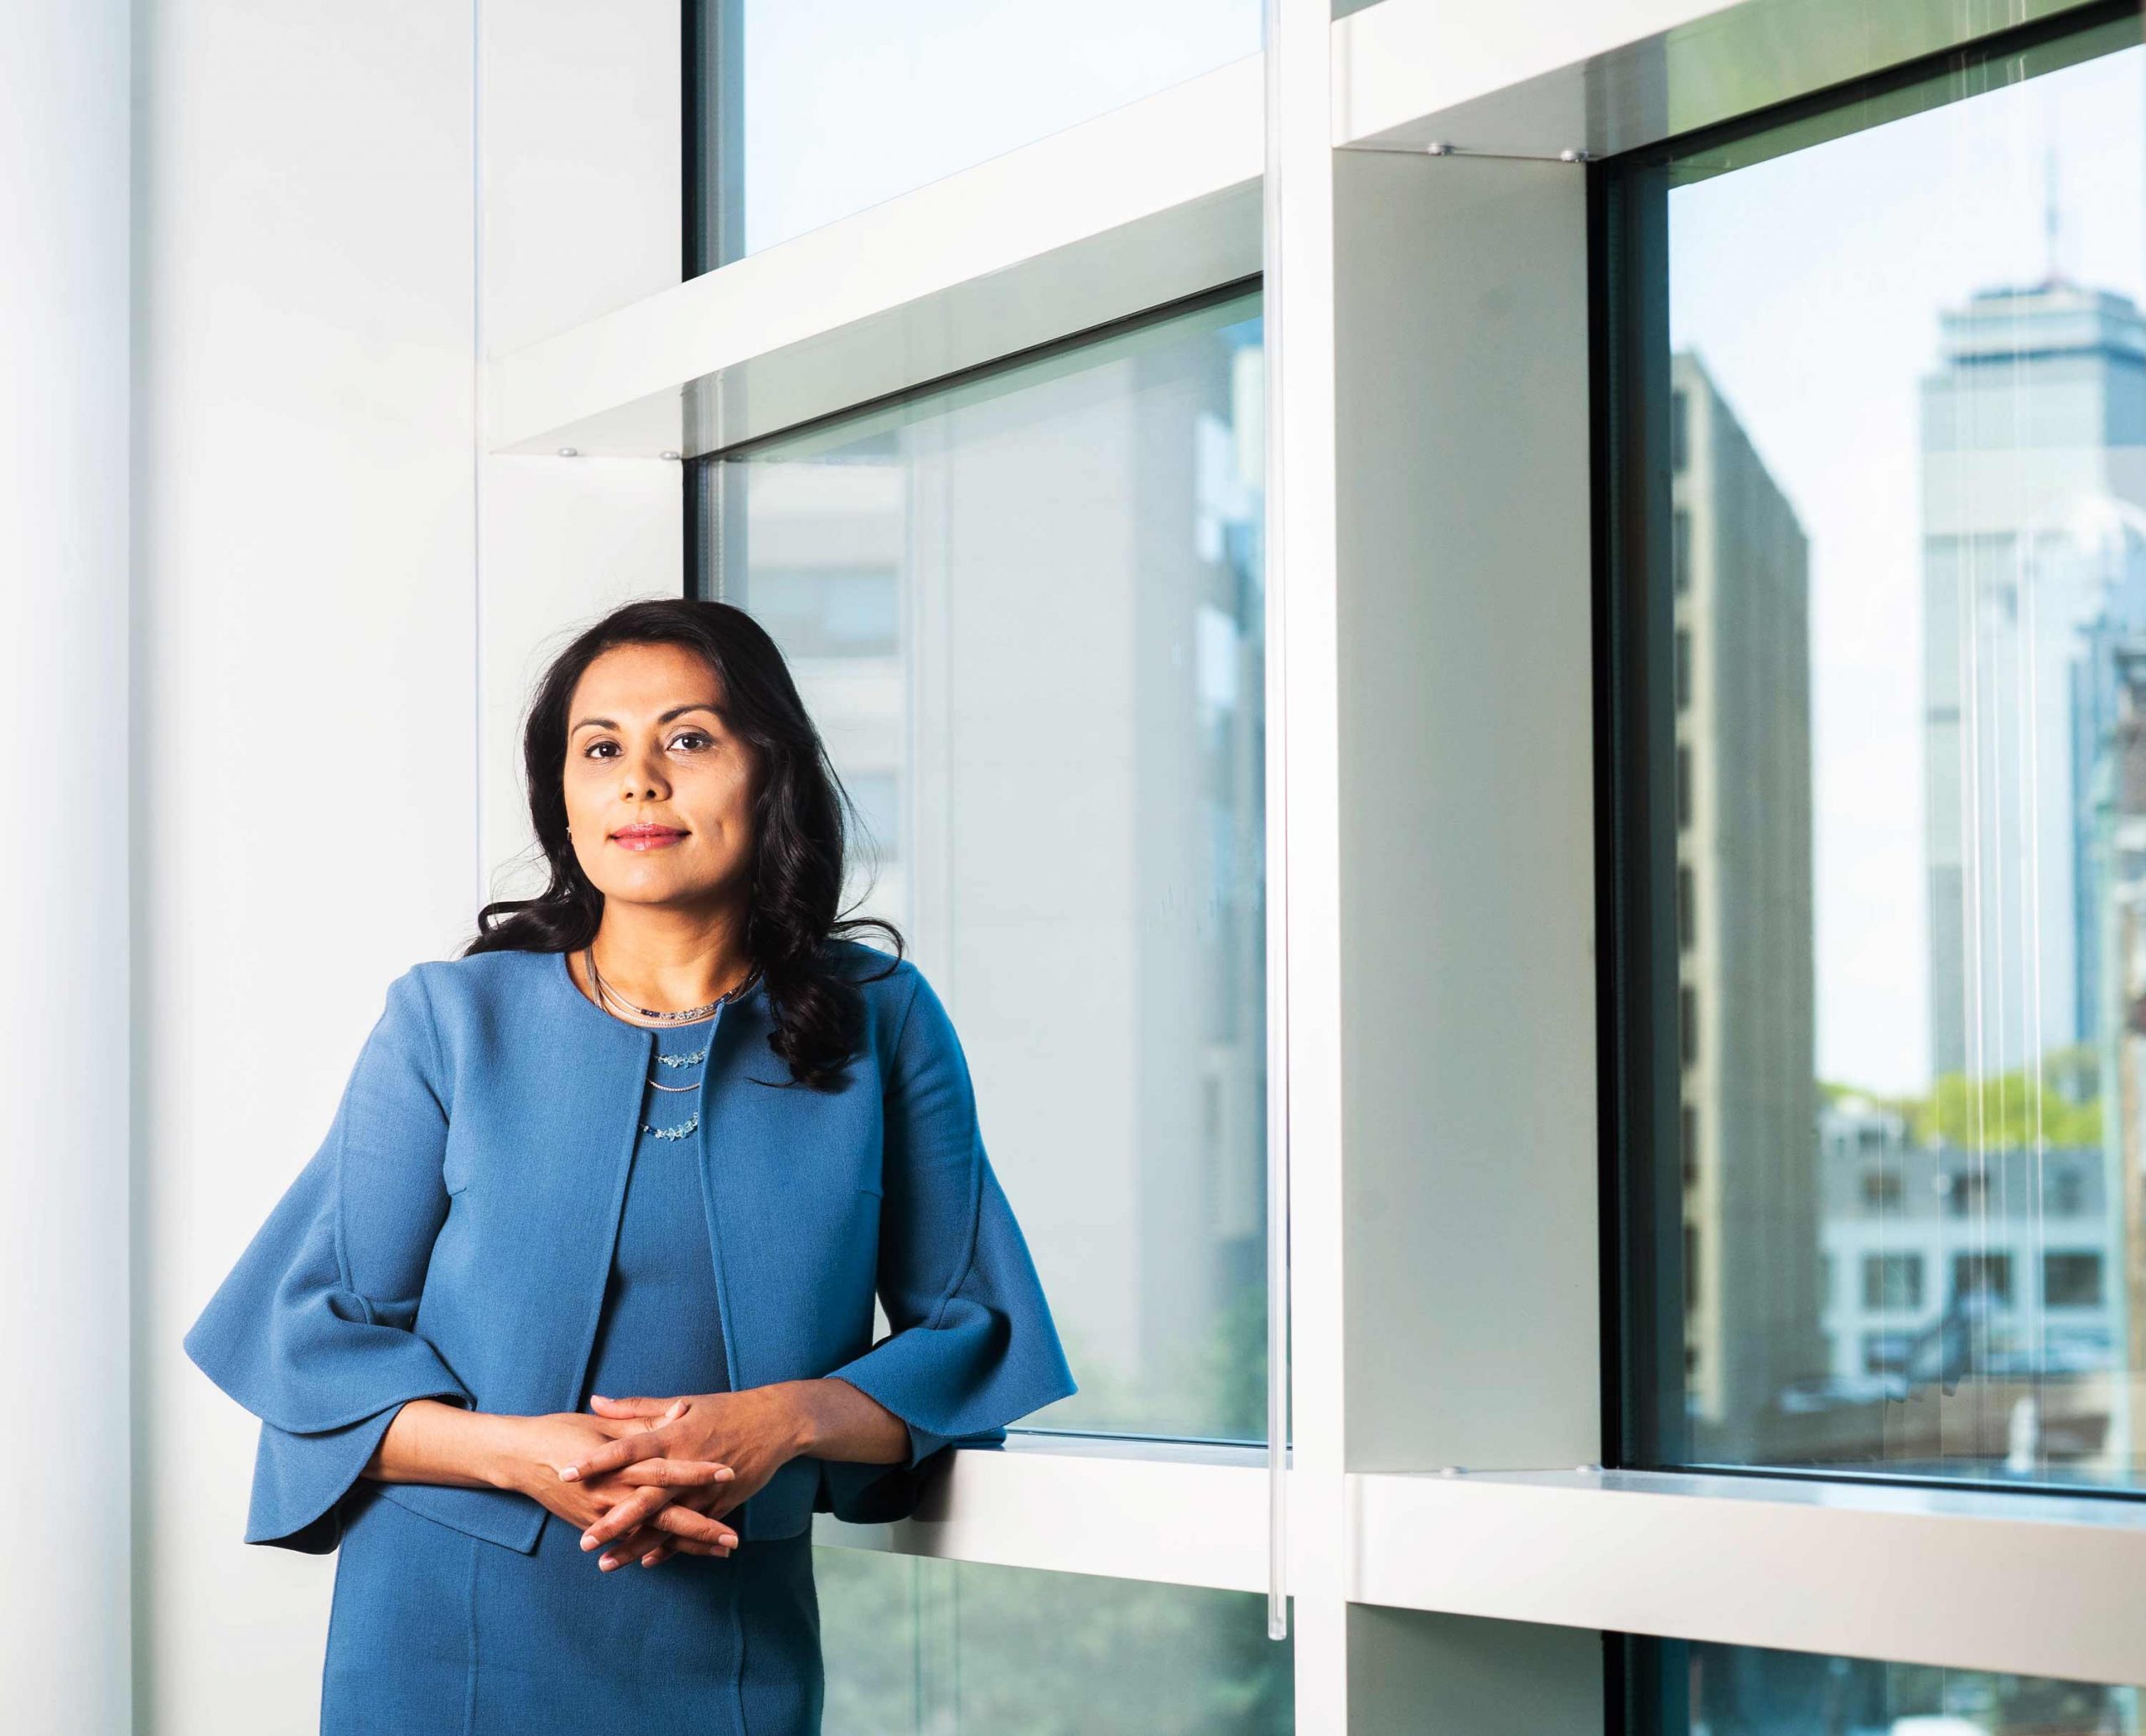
<point>1882,646</point>
<point>1708,1690</point>
<point>939,1646</point>
<point>1050,715</point>
<point>806,113</point>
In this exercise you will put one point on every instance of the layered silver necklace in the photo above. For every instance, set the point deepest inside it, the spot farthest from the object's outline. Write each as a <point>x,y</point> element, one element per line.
<point>664,1016</point>
<point>685,1016</point>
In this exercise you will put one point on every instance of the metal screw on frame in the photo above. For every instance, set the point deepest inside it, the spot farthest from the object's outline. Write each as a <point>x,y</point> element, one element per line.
<point>569,452</point>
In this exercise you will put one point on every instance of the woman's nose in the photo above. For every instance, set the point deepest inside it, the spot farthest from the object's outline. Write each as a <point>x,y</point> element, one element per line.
<point>644,774</point>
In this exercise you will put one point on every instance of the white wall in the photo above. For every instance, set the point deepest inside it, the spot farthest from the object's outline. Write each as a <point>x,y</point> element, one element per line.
<point>304,222</point>
<point>65,715</point>
<point>326,775</point>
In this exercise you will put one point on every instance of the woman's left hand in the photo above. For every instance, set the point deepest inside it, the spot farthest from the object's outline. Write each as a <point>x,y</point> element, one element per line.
<point>755,1433</point>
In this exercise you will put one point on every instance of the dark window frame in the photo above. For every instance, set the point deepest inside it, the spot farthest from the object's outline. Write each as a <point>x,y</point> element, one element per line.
<point>1636,749</point>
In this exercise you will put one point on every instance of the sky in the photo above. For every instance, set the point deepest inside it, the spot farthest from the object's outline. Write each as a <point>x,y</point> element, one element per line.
<point>1810,286</point>
<point>850,103</point>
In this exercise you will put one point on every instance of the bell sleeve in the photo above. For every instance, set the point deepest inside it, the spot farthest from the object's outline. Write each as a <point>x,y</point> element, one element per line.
<point>313,1329</point>
<point>973,1347</point>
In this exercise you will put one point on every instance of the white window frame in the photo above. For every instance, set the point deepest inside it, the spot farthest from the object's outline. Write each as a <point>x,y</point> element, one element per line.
<point>1446,1528</point>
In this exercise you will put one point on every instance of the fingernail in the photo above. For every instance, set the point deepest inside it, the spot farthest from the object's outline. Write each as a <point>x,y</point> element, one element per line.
<point>570,1474</point>
<point>730,1542</point>
<point>590,1540</point>
<point>608,1562</point>
<point>724,1472</point>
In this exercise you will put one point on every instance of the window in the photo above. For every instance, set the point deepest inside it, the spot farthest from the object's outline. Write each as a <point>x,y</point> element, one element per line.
<point>1744,1691</point>
<point>1892,1281</point>
<point>1027,613</point>
<point>808,113</point>
<point>1879,393</point>
<point>1984,1275</point>
<point>828,611</point>
<point>913,1644</point>
<point>876,796</point>
<point>2072,1280</point>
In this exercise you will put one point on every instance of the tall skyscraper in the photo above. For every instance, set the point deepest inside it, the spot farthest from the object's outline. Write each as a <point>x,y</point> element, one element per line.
<point>2034,442</point>
<point>1745,987</point>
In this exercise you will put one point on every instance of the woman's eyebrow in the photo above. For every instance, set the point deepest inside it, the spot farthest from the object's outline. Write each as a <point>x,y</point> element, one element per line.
<point>697,705</point>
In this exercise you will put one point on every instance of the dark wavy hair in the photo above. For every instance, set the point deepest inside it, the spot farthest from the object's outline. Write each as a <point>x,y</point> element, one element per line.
<point>801,819</point>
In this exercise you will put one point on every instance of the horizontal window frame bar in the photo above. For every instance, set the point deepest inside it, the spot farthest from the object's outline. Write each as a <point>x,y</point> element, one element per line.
<point>1173,1512</point>
<point>1144,206</point>
<point>1507,82</point>
<point>1908,1573</point>
<point>1139,208</point>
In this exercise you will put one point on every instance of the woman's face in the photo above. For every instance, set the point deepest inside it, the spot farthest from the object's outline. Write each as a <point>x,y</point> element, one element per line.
<point>646,747</point>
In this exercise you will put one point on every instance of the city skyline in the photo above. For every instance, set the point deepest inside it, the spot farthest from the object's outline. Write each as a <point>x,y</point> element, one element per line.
<point>1814,285</point>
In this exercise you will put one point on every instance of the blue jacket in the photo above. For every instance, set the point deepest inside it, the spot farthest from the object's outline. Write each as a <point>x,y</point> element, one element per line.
<point>452,1239</point>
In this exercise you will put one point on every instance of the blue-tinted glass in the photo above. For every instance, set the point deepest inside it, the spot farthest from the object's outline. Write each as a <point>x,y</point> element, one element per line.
<point>1742,1691</point>
<point>942,1648</point>
<point>1894,622</point>
<point>1047,706</point>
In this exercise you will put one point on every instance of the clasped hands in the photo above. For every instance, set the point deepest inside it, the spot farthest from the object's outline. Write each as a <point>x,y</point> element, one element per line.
<point>667,1473</point>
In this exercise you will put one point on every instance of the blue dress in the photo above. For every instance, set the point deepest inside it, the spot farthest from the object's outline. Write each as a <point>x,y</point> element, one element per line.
<point>432,1631</point>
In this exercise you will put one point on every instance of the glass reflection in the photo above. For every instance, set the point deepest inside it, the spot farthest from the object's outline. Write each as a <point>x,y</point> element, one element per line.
<point>1742,1691</point>
<point>1901,584</point>
<point>1026,615</point>
<point>944,1647</point>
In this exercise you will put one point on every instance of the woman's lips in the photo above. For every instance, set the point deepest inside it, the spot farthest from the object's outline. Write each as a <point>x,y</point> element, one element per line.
<point>648,840</point>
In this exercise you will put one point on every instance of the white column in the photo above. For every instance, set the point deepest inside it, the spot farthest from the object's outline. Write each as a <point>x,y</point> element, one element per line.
<point>64,919</point>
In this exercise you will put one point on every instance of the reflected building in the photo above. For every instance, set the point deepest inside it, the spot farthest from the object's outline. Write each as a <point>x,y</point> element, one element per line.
<point>1028,626</point>
<point>1741,671</point>
<point>1916,1230</point>
<point>2033,496</point>
<point>2120,807</point>
<point>2033,429</point>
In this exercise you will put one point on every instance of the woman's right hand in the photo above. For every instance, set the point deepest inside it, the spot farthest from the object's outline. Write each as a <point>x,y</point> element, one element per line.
<point>539,1447</point>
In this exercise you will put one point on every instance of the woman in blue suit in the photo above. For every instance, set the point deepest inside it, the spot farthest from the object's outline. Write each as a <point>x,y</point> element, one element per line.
<point>565,1331</point>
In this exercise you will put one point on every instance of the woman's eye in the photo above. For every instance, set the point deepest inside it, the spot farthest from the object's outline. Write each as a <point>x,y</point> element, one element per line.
<point>684,736</point>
